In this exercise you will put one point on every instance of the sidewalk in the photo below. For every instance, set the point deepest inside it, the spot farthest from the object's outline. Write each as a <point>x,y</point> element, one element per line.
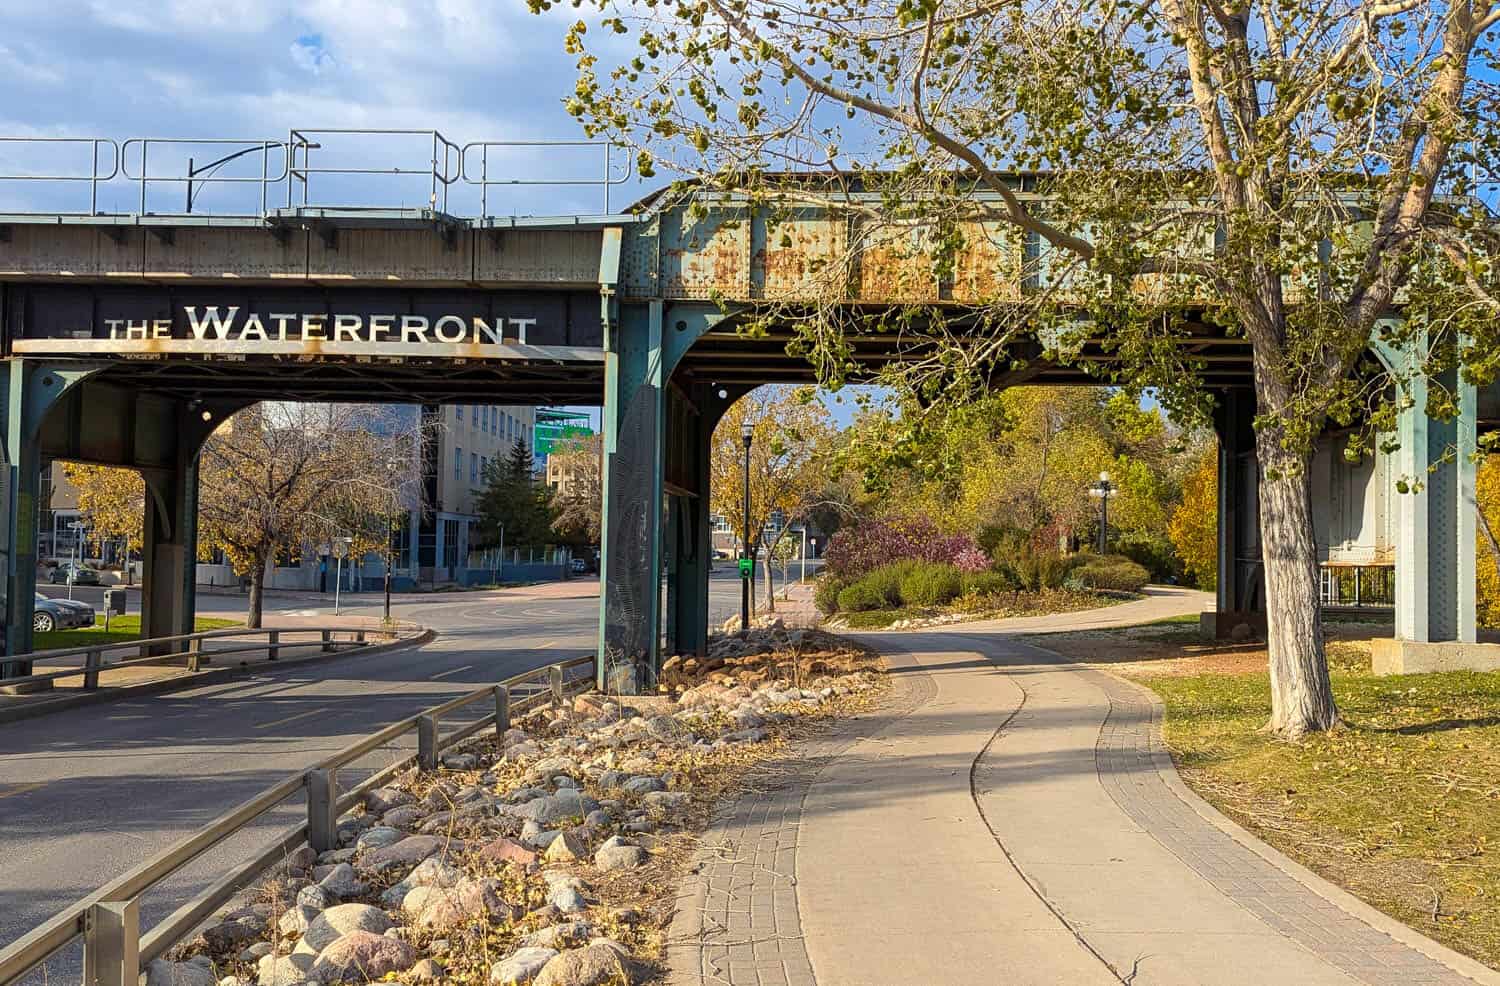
<point>1010,818</point>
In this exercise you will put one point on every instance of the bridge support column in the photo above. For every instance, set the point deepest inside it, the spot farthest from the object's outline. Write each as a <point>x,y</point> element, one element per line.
<point>170,546</point>
<point>1435,539</point>
<point>1241,593</point>
<point>31,390</point>
<point>690,534</point>
<point>630,566</point>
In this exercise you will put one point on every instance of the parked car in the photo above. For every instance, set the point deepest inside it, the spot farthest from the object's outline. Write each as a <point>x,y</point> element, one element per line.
<point>579,566</point>
<point>76,574</point>
<point>60,614</point>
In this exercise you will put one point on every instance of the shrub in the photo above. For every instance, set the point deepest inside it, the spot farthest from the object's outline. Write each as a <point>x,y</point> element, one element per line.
<point>1112,573</point>
<point>856,551</point>
<point>986,584</point>
<point>1035,570</point>
<point>826,594</point>
<point>932,585</point>
<point>859,597</point>
<point>886,580</point>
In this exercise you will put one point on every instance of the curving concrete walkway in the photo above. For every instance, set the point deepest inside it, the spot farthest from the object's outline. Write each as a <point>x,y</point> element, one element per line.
<point>1009,817</point>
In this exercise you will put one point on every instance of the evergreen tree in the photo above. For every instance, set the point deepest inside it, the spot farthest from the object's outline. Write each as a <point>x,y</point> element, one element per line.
<point>514,502</point>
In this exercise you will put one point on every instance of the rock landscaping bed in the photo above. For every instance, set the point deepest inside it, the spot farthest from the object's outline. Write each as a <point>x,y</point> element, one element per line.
<point>548,856</point>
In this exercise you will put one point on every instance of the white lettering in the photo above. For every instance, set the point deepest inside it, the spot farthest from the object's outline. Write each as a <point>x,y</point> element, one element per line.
<point>454,322</point>
<point>281,324</point>
<point>114,326</point>
<point>162,328</point>
<point>346,328</point>
<point>312,327</point>
<point>413,328</point>
<point>520,325</point>
<point>254,329</point>
<point>381,325</point>
<point>135,330</point>
<point>211,320</point>
<point>496,334</point>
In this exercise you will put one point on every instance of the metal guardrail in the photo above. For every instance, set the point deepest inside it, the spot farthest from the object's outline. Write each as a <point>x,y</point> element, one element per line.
<point>445,158</point>
<point>108,920</point>
<point>117,163</point>
<point>484,181</point>
<point>187,647</point>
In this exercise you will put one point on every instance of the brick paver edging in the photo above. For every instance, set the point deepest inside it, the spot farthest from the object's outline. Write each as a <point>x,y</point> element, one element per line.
<point>1366,944</point>
<point>737,921</point>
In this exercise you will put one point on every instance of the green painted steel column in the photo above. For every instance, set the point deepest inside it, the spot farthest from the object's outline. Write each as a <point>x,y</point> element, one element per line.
<point>630,567</point>
<point>1240,590</point>
<point>21,490</point>
<point>32,389</point>
<point>170,547</point>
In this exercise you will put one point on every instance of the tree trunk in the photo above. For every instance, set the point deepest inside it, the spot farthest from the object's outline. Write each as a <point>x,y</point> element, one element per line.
<point>257,594</point>
<point>770,585</point>
<point>1301,695</point>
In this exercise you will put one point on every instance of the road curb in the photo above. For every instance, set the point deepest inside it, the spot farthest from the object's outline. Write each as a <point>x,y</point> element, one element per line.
<point>192,679</point>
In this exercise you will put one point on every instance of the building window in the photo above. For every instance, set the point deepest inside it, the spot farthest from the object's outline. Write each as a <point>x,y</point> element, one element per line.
<point>473,467</point>
<point>458,464</point>
<point>458,411</point>
<point>484,412</point>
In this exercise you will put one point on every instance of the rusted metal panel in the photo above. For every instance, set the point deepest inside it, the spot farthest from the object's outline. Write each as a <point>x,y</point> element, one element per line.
<point>48,250</point>
<point>800,256</point>
<point>895,263</point>
<point>241,253</point>
<point>394,256</point>
<point>705,258</point>
<point>989,266</point>
<point>537,256</point>
<point>640,260</point>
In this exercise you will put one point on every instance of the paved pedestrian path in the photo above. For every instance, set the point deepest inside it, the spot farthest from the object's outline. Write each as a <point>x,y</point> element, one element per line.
<point>1011,818</point>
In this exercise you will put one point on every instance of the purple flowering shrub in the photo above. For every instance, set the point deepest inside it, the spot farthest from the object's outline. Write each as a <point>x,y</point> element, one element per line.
<point>853,551</point>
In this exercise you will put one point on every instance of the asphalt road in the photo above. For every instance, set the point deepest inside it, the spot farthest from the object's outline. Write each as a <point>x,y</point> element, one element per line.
<point>86,794</point>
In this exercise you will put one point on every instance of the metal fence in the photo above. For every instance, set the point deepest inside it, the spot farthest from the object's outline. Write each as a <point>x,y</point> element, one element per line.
<point>284,169</point>
<point>187,648</point>
<point>108,920</point>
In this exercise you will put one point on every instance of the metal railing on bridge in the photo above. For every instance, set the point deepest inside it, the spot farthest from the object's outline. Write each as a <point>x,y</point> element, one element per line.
<point>283,169</point>
<point>108,920</point>
<point>186,648</point>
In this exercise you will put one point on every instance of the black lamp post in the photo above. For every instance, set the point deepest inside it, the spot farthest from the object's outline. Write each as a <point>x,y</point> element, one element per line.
<point>747,571</point>
<point>1104,491</point>
<point>390,537</point>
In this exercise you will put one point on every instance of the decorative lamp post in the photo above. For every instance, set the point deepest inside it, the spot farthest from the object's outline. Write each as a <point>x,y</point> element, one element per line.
<point>1104,492</point>
<point>747,560</point>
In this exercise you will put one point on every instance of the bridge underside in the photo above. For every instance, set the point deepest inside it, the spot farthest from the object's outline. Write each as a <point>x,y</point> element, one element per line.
<point>625,312</point>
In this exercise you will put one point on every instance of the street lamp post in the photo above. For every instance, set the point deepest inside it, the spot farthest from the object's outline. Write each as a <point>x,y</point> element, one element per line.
<point>77,527</point>
<point>747,571</point>
<point>1104,492</point>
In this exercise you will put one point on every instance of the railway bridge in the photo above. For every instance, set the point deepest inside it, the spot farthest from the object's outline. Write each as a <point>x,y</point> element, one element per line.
<point>128,336</point>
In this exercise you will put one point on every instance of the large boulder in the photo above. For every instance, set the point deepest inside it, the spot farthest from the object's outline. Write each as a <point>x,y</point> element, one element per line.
<point>378,838</point>
<point>362,957</point>
<point>342,882</point>
<point>520,967</point>
<point>336,922</point>
<point>382,799</point>
<point>508,851</point>
<point>602,963</point>
<point>195,972</point>
<point>408,852</point>
<point>617,854</point>
<point>283,970</point>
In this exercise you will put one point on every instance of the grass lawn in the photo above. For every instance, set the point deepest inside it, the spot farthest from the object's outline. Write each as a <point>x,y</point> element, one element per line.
<point>1400,806</point>
<point>121,628</point>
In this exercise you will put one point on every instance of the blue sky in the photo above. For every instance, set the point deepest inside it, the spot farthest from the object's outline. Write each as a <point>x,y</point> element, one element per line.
<point>473,69</point>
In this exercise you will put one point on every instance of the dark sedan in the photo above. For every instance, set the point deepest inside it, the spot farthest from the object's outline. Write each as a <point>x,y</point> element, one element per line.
<point>74,574</point>
<point>60,614</point>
